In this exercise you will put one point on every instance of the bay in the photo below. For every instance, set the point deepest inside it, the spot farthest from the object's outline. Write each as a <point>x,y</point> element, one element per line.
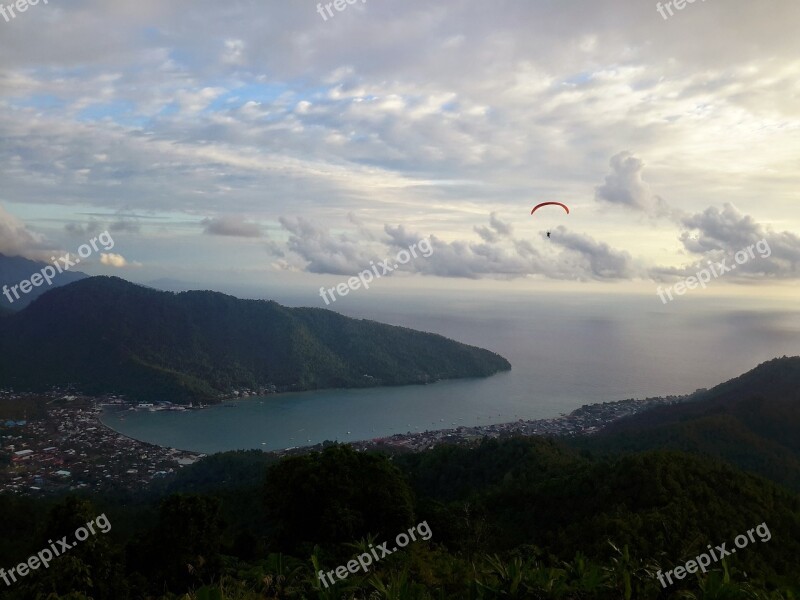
<point>565,352</point>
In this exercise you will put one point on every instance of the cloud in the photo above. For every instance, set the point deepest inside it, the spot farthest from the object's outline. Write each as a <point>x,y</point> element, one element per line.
<point>471,260</point>
<point>499,226</point>
<point>716,234</point>
<point>266,112</point>
<point>194,101</point>
<point>624,186</point>
<point>17,239</point>
<point>496,230</point>
<point>503,257</point>
<point>582,258</point>
<point>126,224</point>
<point>90,228</point>
<point>596,259</point>
<point>234,52</point>
<point>365,232</point>
<point>122,223</point>
<point>116,260</point>
<point>324,252</point>
<point>233,226</point>
<point>714,229</point>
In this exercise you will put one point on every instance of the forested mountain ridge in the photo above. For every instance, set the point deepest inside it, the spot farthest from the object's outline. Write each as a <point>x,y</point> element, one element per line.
<point>108,335</point>
<point>751,421</point>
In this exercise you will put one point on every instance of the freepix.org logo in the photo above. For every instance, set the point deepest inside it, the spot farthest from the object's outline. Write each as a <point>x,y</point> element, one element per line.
<point>48,273</point>
<point>365,277</point>
<point>339,5</point>
<point>45,556</point>
<point>663,9</point>
<point>20,6</point>
<point>704,276</point>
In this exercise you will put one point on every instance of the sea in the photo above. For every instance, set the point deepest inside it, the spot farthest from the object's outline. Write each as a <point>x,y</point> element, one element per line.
<point>566,350</point>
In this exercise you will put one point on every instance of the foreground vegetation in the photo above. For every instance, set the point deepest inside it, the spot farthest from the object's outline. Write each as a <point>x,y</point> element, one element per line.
<point>520,518</point>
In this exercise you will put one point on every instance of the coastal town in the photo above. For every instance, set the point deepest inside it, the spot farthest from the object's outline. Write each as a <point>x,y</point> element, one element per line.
<point>55,441</point>
<point>586,420</point>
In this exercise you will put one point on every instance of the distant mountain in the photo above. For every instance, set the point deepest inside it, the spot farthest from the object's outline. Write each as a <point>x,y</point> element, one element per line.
<point>14,269</point>
<point>751,421</point>
<point>105,334</point>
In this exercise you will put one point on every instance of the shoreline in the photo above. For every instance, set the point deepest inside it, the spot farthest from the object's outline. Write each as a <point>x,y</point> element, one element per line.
<point>586,420</point>
<point>99,422</point>
<point>66,447</point>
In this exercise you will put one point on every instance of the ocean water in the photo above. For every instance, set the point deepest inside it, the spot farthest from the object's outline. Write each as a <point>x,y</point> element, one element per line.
<point>565,352</point>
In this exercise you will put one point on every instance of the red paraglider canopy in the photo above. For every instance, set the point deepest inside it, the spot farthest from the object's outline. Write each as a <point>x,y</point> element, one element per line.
<point>538,206</point>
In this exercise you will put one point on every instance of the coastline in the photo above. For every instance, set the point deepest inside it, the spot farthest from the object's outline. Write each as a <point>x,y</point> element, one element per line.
<point>586,420</point>
<point>103,408</point>
<point>68,448</point>
<point>71,448</point>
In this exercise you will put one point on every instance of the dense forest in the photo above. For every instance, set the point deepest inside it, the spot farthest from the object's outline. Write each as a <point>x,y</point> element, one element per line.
<point>751,421</point>
<point>153,345</point>
<point>517,518</point>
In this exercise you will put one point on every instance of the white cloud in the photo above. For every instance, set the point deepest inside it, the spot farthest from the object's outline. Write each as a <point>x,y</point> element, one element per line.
<point>571,256</point>
<point>116,260</point>
<point>17,239</point>
<point>454,112</point>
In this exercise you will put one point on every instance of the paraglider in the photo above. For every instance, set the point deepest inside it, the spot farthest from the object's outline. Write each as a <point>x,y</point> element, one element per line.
<point>538,206</point>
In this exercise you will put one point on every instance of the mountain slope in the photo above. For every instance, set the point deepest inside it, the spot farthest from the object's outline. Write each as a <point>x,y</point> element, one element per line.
<point>14,269</point>
<point>108,335</point>
<point>750,421</point>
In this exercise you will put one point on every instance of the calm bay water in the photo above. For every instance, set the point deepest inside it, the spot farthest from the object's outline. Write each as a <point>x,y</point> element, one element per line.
<point>565,352</point>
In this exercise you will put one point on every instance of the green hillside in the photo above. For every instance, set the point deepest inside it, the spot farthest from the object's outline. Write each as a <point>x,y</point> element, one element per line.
<point>751,422</point>
<point>108,335</point>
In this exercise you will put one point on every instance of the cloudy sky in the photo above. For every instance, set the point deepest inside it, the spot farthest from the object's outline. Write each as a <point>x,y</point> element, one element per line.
<point>254,141</point>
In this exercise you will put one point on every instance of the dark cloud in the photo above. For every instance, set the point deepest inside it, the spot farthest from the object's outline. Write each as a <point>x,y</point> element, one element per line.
<point>232,226</point>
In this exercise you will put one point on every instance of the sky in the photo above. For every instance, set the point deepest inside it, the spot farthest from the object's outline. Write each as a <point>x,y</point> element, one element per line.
<point>272,145</point>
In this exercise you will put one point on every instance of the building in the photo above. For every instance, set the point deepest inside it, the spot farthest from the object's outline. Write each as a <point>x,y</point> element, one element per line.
<point>21,455</point>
